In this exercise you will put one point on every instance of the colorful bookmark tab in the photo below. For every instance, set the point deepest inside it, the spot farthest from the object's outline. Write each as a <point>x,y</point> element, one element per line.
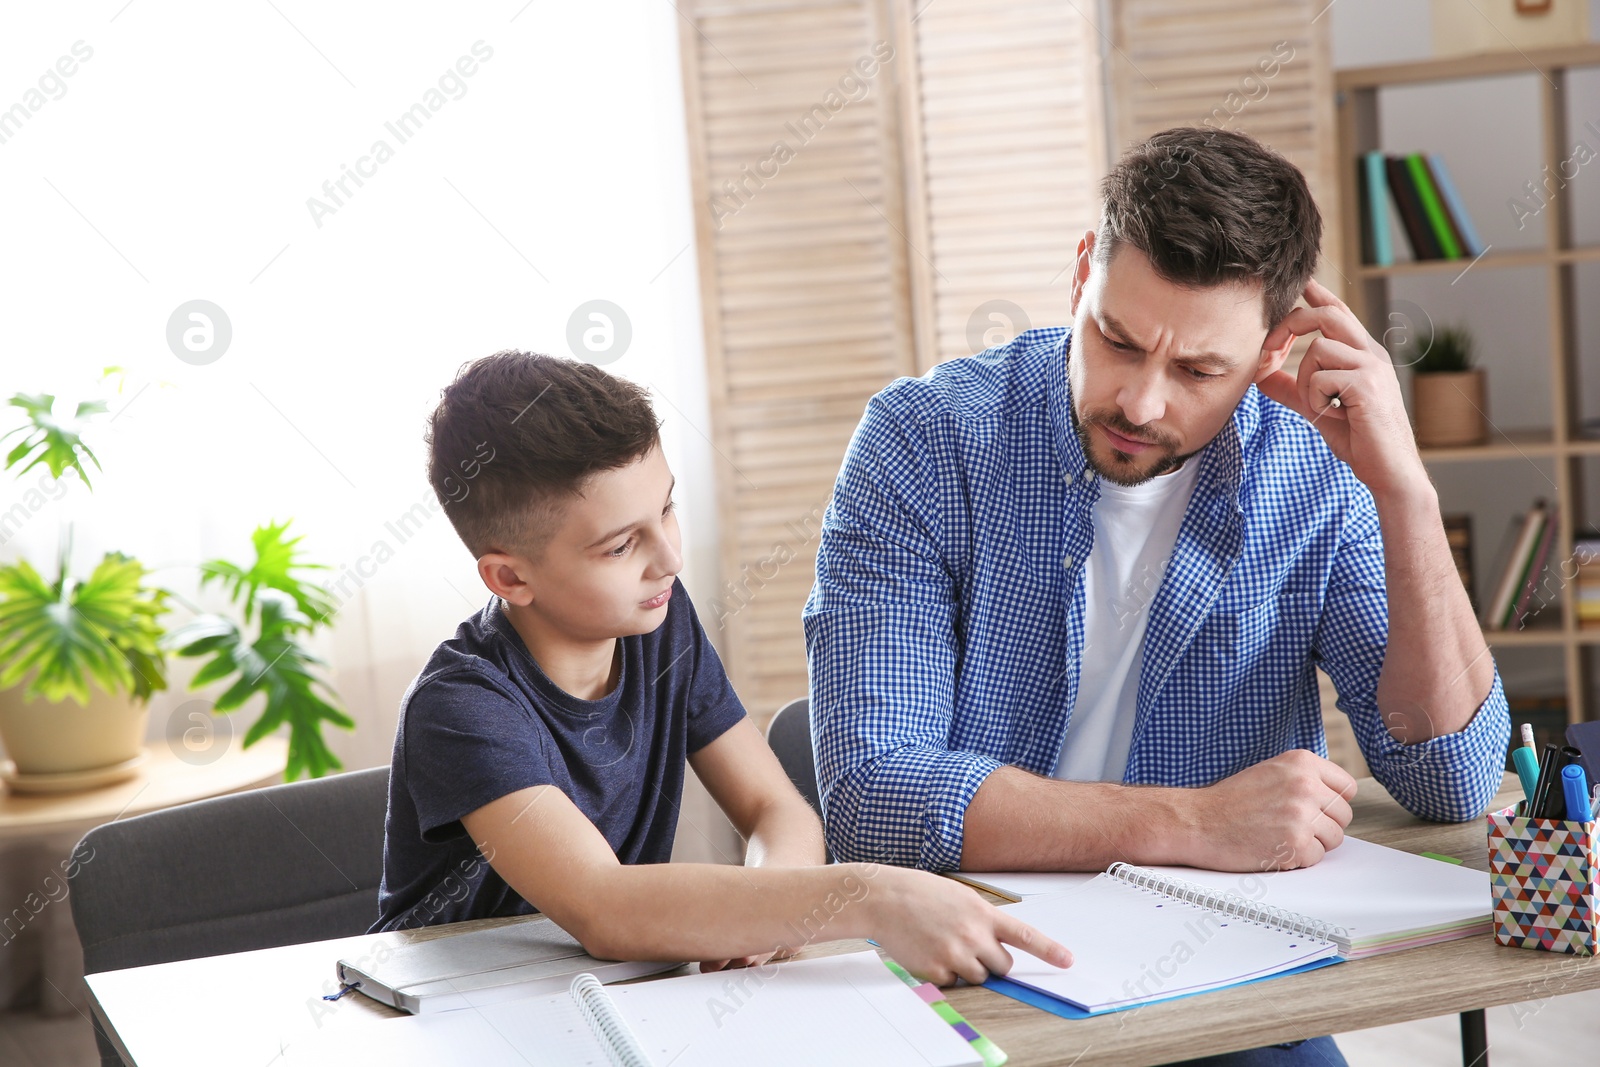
<point>993,1055</point>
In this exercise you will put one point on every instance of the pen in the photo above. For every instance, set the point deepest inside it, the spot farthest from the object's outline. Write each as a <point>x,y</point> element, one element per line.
<point>1576,785</point>
<point>1527,762</point>
<point>1541,789</point>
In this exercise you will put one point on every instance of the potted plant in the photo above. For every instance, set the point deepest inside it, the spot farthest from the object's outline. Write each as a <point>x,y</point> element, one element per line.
<point>81,657</point>
<point>1448,394</point>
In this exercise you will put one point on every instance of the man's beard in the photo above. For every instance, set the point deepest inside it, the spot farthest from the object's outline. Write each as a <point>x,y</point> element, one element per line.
<point>1120,468</point>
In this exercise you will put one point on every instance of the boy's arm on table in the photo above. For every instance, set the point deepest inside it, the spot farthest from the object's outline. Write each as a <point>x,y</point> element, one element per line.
<point>551,854</point>
<point>744,777</point>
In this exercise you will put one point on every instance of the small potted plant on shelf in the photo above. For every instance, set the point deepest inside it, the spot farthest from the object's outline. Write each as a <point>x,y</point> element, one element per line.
<point>1448,394</point>
<point>80,657</point>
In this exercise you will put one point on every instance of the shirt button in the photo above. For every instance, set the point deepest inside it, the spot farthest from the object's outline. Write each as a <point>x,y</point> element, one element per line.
<point>1067,562</point>
<point>1088,476</point>
<point>1067,478</point>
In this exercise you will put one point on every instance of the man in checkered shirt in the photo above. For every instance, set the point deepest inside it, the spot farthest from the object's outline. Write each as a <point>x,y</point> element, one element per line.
<point>1071,591</point>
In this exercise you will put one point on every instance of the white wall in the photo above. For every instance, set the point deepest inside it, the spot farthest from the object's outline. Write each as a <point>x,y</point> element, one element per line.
<point>177,164</point>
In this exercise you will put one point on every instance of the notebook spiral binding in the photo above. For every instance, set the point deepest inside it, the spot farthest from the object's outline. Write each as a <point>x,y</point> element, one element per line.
<point>606,1023</point>
<point>1231,904</point>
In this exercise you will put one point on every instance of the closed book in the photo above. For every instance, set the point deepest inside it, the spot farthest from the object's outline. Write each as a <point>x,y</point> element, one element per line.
<point>1364,206</point>
<point>482,966</point>
<point>1517,560</point>
<point>1409,206</point>
<point>1533,599</point>
<point>1432,209</point>
<point>1377,221</point>
<point>1471,243</point>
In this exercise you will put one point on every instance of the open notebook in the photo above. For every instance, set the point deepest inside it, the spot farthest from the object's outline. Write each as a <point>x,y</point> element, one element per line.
<point>1137,938</point>
<point>843,1010</point>
<point>1139,934</point>
<point>1372,898</point>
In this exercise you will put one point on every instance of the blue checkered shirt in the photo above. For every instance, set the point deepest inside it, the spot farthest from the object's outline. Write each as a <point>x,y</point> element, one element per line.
<point>946,626</point>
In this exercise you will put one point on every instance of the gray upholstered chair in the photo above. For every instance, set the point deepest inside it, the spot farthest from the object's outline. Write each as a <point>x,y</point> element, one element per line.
<point>789,736</point>
<point>259,869</point>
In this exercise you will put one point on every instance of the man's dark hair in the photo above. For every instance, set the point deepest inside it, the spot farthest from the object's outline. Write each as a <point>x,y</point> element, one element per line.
<point>517,434</point>
<point>1212,206</point>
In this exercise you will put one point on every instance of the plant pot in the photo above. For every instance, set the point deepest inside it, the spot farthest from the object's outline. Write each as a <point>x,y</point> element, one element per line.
<point>66,738</point>
<point>1451,408</point>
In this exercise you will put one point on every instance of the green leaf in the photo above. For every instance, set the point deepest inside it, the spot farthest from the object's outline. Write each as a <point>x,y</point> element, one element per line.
<point>65,635</point>
<point>277,561</point>
<point>276,665</point>
<point>56,443</point>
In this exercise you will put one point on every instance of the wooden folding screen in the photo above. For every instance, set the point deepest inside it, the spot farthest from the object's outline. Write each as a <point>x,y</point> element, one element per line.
<point>885,184</point>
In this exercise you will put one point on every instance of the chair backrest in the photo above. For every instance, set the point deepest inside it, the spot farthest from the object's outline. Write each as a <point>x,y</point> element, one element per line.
<point>258,869</point>
<point>789,736</point>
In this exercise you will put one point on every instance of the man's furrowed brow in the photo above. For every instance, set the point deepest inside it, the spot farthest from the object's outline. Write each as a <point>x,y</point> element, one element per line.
<point>1210,360</point>
<point>1110,323</point>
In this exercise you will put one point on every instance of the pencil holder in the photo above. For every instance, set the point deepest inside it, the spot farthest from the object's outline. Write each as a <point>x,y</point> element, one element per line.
<point>1542,877</point>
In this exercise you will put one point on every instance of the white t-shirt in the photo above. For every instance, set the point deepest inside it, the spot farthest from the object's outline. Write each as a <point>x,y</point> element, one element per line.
<point>1135,529</point>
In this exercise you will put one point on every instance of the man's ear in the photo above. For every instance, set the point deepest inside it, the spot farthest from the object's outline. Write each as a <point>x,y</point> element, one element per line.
<point>507,577</point>
<point>1080,273</point>
<point>1274,350</point>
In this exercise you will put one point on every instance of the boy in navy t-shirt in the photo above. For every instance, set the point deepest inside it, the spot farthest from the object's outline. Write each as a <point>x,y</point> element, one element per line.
<point>540,755</point>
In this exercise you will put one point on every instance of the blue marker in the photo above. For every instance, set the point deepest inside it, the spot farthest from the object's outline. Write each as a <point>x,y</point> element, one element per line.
<point>1576,786</point>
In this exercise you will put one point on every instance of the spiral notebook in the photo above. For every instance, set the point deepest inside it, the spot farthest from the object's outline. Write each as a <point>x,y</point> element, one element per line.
<point>1374,898</point>
<point>1138,936</point>
<point>839,1010</point>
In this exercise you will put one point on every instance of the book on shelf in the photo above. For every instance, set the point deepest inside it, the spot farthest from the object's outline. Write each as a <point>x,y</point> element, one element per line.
<point>1535,597</point>
<point>1408,205</point>
<point>1426,202</point>
<point>1515,595</point>
<point>1444,232</point>
<point>1586,591</point>
<point>1471,243</point>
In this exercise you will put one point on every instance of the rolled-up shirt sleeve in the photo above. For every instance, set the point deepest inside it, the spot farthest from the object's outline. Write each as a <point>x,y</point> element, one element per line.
<point>1448,778</point>
<point>883,647</point>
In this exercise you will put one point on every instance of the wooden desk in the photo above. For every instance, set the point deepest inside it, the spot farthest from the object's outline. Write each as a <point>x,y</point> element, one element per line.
<point>246,1007</point>
<point>38,832</point>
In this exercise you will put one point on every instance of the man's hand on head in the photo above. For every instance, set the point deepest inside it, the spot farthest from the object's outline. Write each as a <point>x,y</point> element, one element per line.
<point>1368,428</point>
<point>1283,813</point>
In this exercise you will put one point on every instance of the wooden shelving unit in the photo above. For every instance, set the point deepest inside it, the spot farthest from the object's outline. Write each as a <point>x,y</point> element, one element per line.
<point>1368,296</point>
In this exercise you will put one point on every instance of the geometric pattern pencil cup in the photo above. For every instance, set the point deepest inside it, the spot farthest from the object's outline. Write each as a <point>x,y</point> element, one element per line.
<point>1542,877</point>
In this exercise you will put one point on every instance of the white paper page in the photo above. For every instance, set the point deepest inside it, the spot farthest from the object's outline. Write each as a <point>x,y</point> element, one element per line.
<point>1029,883</point>
<point>1130,945</point>
<point>838,1010</point>
<point>544,1031</point>
<point>1371,891</point>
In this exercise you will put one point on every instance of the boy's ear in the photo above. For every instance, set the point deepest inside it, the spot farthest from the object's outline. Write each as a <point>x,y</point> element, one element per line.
<point>507,578</point>
<point>1080,272</point>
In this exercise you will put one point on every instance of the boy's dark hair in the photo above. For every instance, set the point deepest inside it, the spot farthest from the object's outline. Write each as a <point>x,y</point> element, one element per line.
<point>517,432</point>
<point>1212,206</point>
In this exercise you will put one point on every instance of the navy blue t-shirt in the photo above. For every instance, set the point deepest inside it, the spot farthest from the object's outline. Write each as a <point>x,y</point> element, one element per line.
<point>482,720</point>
